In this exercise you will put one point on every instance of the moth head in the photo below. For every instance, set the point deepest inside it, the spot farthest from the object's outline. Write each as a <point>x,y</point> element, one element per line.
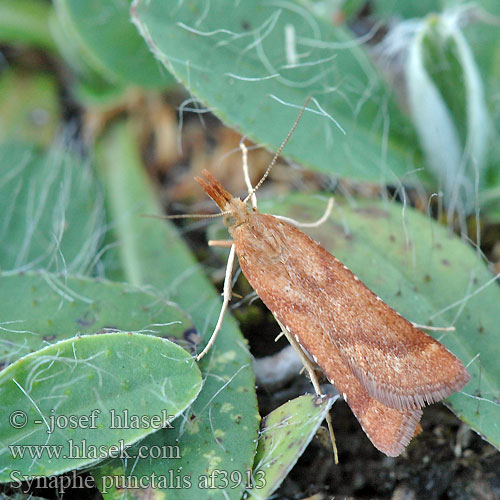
<point>235,210</point>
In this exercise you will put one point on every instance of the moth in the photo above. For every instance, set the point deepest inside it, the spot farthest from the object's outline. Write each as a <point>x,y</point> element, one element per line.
<point>385,368</point>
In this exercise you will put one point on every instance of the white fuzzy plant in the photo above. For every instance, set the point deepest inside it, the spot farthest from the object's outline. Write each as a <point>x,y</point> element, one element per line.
<point>456,159</point>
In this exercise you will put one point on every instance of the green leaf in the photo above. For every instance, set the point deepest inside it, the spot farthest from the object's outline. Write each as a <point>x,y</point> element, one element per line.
<point>91,84</point>
<point>110,43</point>
<point>428,275</point>
<point>43,308</point>
<point>220,430</point>
<point>255,65</point>
<point>483,36</point>
<point>387,9</point>
<point>66,382</point>
<point>27,22</point>
<point>335,12</point>
<point>29,107</point>
<point>51,210</point>
<point>285,434</point>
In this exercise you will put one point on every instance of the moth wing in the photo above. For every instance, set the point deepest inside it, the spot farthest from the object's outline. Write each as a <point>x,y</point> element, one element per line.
<point>396,363</point>
<point>330,308</point>
<point>294,288</point>
<point>417,370</point>
<point>390,430</point>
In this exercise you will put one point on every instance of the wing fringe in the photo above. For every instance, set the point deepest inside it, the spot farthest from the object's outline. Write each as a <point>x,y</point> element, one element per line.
<point>422,396</point>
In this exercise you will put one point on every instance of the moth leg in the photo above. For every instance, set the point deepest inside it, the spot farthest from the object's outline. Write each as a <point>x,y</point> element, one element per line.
<point>314,379</point>
<point>248,182</point>
<point>279,336</point>
<point>317,223</point>
<point>220,243</point>
<point>227,298</point>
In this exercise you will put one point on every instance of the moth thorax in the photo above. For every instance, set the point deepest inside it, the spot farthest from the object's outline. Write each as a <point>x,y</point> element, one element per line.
<point>238,213</point>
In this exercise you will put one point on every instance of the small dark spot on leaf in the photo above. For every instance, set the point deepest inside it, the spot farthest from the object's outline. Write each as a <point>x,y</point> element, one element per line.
<point>245,25</point>
<point>415,289</point>
<point>398,293</point>
<point>480,329</point>
<point>49,338</point>
<point>446,262</point>
<point>238,419</point>
<point>85,320</point>
<point>475,281</point>
<point>392,238</point>
<point>427,278</point>
<point>192,417</point>
<point>2,365</point>
<point>372,212</point>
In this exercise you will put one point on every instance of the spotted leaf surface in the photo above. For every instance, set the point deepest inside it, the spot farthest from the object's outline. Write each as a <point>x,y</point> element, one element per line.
<point>49,397</point>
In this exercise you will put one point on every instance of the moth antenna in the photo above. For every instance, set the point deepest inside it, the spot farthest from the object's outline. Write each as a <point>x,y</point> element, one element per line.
<point>248,182</point>
<point>185,216</point>
<point>280,149</point>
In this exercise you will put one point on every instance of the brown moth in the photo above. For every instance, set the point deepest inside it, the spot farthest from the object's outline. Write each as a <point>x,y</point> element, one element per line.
<point>384,367</point>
